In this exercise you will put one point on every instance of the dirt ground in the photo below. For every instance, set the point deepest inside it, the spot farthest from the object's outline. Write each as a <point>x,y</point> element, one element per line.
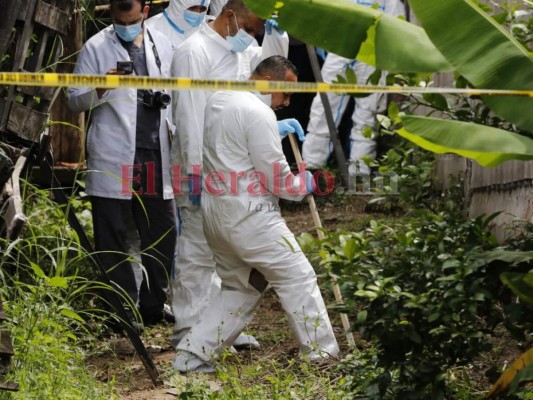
<point>269,324</point>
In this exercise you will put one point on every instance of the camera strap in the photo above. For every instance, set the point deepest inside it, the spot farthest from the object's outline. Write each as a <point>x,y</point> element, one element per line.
<point>156,53</point>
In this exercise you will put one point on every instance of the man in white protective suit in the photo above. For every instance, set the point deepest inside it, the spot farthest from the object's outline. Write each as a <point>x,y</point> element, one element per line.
<point>221,49</point>
<point>245,174</point>
<point>318,147</point>
<point>180,19</point>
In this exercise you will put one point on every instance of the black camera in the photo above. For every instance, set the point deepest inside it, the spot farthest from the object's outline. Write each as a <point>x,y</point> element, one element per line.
<point>157,100</point>
<point>125,66</point>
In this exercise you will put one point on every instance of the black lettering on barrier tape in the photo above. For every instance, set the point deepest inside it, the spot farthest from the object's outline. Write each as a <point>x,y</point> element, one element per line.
<point>111,82</point>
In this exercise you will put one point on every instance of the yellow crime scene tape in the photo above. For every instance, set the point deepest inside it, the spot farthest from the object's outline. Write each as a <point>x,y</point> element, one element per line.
<point>142,82</point>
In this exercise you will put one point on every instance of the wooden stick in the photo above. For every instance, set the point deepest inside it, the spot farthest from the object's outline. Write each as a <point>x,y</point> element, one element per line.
<point>318,225</point>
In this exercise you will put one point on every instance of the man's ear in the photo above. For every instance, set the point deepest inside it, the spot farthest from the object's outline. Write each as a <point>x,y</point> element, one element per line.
<point>145,11</point>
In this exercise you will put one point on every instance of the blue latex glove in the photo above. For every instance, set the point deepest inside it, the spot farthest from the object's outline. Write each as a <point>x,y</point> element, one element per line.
<point>291,125</point>
<point>310,184</point>
<point>272,23</point>
<point>195,189</point>
<point>321,53</point>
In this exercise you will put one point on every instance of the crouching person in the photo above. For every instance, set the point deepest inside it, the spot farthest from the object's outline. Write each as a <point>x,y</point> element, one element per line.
<point>245,174</point>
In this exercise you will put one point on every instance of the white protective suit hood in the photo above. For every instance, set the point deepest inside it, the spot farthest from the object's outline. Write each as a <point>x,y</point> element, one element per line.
<point>176,8</point>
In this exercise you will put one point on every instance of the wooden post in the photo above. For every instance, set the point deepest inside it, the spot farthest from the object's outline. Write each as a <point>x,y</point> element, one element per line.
<point>68,139</point>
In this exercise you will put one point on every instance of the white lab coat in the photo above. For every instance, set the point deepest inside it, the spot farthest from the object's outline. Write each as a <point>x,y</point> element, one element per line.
<point>317,147</point>
<point>179,29</point>
<point>245,231</point>
<point>203,55</point>
<point>112,129</point>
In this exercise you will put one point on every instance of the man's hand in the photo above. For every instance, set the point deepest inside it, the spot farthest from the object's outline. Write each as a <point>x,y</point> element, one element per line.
<point>291,125</point>
<point>310,184</point>
<point>270,24</point>
<point>113,71</point>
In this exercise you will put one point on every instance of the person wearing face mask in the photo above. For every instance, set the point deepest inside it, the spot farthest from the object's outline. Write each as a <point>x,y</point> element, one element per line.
<point>252,245</point>
<point>221,49</point>
<point>180,19</point>
<point>128,152</point>
<point>317,148</point>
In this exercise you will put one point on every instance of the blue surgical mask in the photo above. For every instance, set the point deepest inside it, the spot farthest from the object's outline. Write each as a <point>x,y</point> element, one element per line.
<point>240,41</point>
<point>130,32</point>
<point>194,19</point>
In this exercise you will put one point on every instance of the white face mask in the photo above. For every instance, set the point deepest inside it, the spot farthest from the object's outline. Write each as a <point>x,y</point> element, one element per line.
<point>265,98</point>
<point>241,41</point>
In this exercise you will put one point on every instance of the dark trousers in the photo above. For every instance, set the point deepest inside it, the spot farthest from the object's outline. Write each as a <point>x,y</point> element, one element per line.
<point>155,220</point>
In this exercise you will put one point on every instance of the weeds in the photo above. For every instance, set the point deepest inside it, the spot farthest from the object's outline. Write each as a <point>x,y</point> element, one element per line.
<point>46,299</point>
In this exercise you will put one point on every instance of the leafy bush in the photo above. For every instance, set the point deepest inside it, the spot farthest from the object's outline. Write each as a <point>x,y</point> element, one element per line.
<point>45,298</point>
<point>422,292</point>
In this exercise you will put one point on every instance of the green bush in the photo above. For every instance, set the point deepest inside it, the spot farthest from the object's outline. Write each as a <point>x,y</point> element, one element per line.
<point>45,297</point>
<point>420,290</point>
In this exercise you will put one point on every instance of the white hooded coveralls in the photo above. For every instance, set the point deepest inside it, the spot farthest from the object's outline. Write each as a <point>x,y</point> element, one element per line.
<point>205,54</point>
<point>245,173</point>
<point>216,7</point>
<point>171,22</point>
<point>317,147</point>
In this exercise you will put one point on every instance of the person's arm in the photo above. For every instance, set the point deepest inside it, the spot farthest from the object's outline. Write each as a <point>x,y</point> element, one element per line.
<point>84,99</point>
<point>189,108</point>
<point>266,153</point>
<point>274,44</point>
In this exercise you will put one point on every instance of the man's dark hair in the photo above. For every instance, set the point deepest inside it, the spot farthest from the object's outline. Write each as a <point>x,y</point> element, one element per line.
<point>126,5</point>
<point>276,67</point>
<point>237,6</point>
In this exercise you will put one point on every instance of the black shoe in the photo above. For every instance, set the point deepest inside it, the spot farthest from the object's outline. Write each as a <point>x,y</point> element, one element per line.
<point>168,315</point>
<point>151,318</point>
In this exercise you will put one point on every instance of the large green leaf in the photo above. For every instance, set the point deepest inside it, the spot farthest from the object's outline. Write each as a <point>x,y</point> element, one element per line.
<point>482,51</point>
<point>486,145</point>
<point>341,26</point>
<point>520,284</point>
<point>509,256</point>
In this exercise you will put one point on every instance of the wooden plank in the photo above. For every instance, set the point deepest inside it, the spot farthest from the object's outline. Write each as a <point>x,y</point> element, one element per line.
<point>35,61</point>
<point>51,17</point>
<point>42,92</point>
<point>67,140</point>
<point>25,122</point>
<point>20,54</point>
<point>7,21</point>
<point>14,218</point>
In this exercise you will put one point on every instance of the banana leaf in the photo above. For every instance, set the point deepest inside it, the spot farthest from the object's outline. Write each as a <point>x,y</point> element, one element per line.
<point>520,284</point>
<point>483,52</point>
<point>341,26</point>
<point>521,368</point>
<point>486,145</point>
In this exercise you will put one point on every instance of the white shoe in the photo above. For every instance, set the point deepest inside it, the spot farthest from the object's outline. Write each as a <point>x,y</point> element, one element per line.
<point>246,342</point>
<point>187,362</point>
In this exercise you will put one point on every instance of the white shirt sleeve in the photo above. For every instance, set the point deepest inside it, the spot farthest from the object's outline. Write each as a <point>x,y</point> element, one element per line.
<point>84,99</point>
<point>188,108</point>
<point>275,44</point>
<point>266,153</point>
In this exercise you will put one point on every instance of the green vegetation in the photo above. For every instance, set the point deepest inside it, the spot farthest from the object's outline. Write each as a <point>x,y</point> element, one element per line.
<point>45,288</point>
